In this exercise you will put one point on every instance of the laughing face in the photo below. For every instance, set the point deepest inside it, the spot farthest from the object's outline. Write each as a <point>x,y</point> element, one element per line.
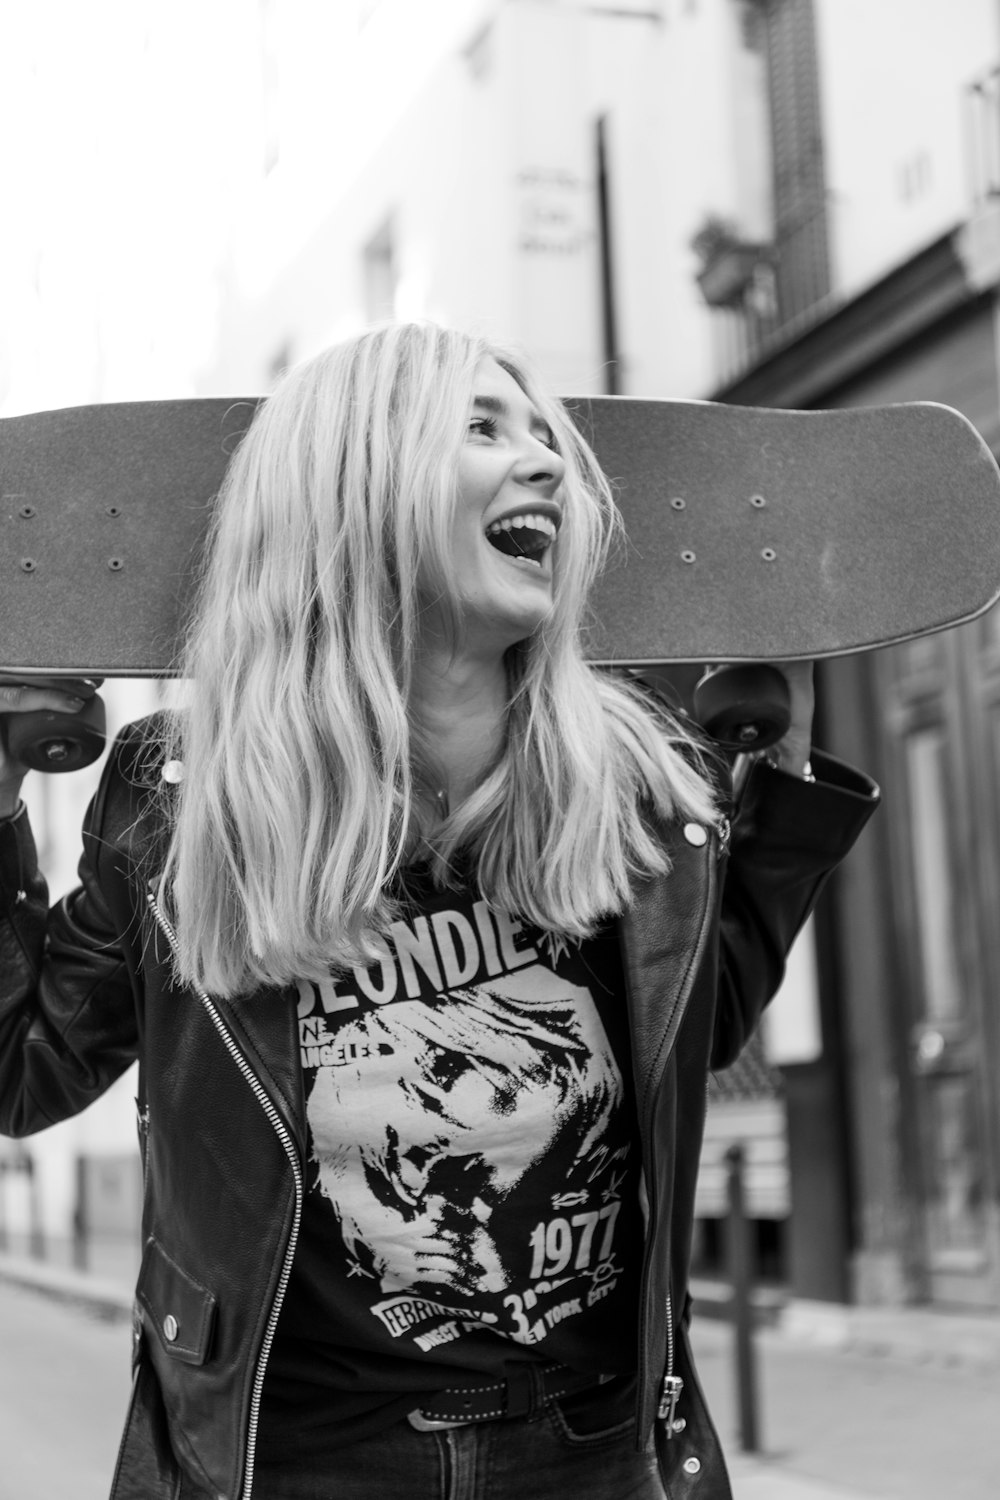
<point>508,514</point>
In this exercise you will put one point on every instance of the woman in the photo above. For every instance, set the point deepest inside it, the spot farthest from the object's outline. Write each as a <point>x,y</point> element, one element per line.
<point>426,935</point>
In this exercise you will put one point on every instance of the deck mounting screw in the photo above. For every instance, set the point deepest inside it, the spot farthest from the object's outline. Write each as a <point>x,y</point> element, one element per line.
<point>768,554</point>
<point>115,564</point>
<point>26,512</point>
<point>687,555</point>
<point>678,503</point>
<point>758,502</point>
<point>28,565</point>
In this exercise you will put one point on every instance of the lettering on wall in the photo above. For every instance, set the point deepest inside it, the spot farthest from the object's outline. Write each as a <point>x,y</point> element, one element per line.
<point>556,211</point>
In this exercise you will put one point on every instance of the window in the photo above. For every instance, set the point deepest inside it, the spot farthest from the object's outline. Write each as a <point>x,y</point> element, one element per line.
<point>381,275</point>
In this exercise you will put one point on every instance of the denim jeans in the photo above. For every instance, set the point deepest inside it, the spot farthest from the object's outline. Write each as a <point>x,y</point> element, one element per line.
<point>581,1447</point>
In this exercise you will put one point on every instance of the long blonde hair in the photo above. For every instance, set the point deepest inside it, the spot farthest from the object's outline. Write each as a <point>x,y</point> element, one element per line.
<point>301,801</point>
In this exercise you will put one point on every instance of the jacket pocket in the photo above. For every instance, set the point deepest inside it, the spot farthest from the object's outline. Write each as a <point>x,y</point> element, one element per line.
<point>180,1312</point>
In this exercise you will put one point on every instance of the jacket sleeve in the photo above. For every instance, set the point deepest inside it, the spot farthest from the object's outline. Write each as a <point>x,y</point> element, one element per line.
<point>787,837</point>
<point>67,1013</point>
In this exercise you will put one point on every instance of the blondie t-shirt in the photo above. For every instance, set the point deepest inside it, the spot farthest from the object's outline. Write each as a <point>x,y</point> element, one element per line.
<point>471,1182</point>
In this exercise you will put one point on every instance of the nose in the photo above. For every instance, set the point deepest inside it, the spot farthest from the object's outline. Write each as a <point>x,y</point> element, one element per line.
<point>540,466</point>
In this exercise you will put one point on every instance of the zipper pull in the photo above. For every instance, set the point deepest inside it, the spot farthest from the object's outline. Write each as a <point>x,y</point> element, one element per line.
<point>669,1396</point>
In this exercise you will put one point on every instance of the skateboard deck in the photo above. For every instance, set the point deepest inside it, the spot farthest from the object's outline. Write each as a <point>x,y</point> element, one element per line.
<point>751,534</point>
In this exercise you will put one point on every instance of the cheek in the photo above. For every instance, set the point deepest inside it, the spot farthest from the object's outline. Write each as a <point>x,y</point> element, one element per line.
<point>468,528</point>
<point>479,477</point>
<point>467,542</point>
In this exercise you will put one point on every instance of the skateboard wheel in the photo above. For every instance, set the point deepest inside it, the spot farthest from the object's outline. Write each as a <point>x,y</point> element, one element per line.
<point>55,742</point>
<point>743,708</point>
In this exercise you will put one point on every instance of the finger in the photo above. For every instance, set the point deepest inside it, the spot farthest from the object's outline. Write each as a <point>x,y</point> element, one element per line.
<point>19,698</point>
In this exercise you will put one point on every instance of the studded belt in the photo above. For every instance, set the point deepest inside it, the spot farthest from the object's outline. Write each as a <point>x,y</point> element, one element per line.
<point>523,1393</point>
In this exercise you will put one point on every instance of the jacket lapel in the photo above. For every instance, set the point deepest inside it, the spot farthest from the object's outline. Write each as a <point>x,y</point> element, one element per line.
<point>664,933</point>
<point>263,1025</point>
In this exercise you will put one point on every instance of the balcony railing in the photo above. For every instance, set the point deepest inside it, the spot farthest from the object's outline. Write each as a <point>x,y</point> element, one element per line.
<point>778,288</point>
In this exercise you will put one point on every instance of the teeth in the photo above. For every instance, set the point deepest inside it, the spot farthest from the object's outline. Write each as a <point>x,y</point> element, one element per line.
<point>512,523</point>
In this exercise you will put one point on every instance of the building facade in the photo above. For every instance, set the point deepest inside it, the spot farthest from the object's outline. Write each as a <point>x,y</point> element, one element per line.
<point>765,202</point>
<point>913,1044</point>
<point>780,203</point>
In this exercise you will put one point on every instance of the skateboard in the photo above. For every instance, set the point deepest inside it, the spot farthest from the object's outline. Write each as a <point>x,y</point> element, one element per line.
<point>750,534</point>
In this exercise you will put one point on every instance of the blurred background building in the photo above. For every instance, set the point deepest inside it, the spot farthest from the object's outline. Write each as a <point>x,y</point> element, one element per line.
<point>790,203</point>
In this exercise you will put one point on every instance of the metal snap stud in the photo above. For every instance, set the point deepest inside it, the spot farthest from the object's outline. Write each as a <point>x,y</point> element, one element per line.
<point>695,834</point>
<point>173,772</point>
<point>692,1466</point>
<point>170,1328</point>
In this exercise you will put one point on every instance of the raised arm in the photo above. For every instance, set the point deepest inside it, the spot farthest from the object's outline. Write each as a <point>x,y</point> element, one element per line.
<point>67,1014</point>
<point>788,835</point>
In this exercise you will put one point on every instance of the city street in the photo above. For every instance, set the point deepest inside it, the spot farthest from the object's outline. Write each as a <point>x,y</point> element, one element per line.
<point>64,1384</point>
<point>833,1425</point>
<point>376,377</point>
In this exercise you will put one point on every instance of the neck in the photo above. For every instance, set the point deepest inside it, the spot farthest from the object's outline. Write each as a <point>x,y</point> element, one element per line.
<point>460,704</point>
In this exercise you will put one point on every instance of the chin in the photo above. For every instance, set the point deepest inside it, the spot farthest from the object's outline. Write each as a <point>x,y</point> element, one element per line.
<point>509,621</point>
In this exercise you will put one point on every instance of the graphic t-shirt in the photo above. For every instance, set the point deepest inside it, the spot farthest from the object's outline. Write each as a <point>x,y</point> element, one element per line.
<point>471,1190</point>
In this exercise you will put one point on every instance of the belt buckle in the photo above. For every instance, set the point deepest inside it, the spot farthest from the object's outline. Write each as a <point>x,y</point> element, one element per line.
<point>434,1424</point>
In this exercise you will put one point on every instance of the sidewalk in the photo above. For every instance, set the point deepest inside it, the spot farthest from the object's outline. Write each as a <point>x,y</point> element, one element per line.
<point>104,1296</point>
<point>852,1403</point>
<point>862,1404</point>
<point>929,1337</point>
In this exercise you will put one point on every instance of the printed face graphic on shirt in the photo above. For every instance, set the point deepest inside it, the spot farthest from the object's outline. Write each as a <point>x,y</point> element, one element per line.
<point>435,1113</point>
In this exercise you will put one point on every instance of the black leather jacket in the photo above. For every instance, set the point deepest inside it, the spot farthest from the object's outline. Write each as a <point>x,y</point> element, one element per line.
<point>87,988</point>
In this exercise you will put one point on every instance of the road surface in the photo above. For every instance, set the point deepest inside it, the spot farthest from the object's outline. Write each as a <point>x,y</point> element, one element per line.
<point>64,1386</point>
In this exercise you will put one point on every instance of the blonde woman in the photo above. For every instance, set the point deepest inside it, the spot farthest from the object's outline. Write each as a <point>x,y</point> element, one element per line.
<point>426,934</point>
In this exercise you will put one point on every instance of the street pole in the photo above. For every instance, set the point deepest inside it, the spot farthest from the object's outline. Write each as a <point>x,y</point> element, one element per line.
<point>739,1266</point>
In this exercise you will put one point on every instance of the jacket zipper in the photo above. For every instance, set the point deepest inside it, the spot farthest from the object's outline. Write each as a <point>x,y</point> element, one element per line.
<point>277,1124</point>
<point>672,1385</point>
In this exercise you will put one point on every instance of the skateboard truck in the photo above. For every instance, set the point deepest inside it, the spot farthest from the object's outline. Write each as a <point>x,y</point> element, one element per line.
<point>52,741</point>
<point>743,708</point>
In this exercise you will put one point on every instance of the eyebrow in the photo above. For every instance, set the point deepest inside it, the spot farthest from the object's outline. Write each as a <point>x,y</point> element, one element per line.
<point>498,407</point>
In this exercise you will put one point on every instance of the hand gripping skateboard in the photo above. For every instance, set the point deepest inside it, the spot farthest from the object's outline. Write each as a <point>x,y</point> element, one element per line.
<point>750,535</point>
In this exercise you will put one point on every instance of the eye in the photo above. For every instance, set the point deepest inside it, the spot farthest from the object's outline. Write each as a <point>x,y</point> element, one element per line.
<point>483,427</point>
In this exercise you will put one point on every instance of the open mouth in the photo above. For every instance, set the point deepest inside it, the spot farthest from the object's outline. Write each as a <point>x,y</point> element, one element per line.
<point>525,538</point>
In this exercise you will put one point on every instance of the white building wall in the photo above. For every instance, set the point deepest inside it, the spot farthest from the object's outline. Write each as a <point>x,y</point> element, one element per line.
<point>488,177</point>
<point>702,89</point>
<point>893,74</point>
